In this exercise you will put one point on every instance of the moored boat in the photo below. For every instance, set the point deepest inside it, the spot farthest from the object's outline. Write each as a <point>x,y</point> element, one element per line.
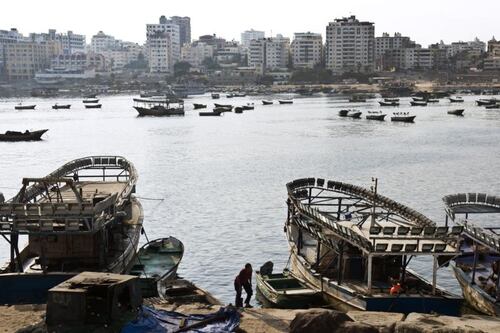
<point>373,115</point>
<point>248,107</point>
<point>418,99</point>
<point>91,100</point>
<point>264,102</point>
<point>342,243</point>
<point>81,217</point>
<point>61,106</point>
<point>384,103</point>
<point>13,136</point>
<point>199,106</point>
<point>93,106</point>
<point>159,107</point>
<point>210,114</point>
<point>477,268</point>
<point>238,109</point>
<point>228,106</point>
<point>418,103</point>
<point>391,99</point>
<point>215,96</point>
<point>456,99</point>
<point>403,117</point>
<point>21,106</point>
<point>343,113</point>
<point>457,112</point>
<point>354,114</point>
<point>492,106</point>
<point>432,100</point>
<point>222,109</point>
<point>286,101</point>
<point>486,102</point>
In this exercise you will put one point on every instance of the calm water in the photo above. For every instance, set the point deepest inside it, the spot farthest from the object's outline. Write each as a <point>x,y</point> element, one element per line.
<point>223,178</point>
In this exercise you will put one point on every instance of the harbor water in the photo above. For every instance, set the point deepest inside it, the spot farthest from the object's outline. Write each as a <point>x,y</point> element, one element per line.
<point>218,183</point>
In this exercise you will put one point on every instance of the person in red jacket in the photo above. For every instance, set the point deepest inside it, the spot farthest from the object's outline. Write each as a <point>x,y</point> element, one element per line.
<point>244,280</point>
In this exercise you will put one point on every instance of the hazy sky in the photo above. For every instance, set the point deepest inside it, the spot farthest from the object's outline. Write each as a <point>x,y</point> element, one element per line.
<point>425,21</point>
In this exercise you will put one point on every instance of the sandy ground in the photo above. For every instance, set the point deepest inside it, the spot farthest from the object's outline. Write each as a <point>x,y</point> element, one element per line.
<point>13,318</point>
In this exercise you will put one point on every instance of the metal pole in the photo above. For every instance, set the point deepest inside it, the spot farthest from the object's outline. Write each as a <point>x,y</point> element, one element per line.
<point>446,221</point>
<point>373,202</point>
<point>434,275</point>
<point>474,264</point>
<point>341,258</point>
<point>318,250</point>
<point>369,283</point>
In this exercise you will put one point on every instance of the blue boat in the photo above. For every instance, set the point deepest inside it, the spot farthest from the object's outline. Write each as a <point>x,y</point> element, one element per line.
<point>355,246</point>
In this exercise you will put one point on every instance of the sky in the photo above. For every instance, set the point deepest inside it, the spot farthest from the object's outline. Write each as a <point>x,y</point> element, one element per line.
<point>425,21</point>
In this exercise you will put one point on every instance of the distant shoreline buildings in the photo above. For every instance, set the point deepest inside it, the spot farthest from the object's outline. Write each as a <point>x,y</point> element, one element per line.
<point>350,46</point>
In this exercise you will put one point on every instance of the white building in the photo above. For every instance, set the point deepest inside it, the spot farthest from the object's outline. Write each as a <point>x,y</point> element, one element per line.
<point>101,42</point>
<point>7,37</point>
<point>307,50</point>
<point>350,45</point>
<point>257,54</point>
<point>231,53</point>
<point>196,53</point>
<point>249,35</point>
<point>70,42</point>
<point>163,46</point>
<point>117,53</point>
<point>277,52</point>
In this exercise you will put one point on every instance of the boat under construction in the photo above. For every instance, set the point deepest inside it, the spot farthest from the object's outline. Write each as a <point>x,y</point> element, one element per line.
<point>354,246</point>
<point>81,217</point>
<point>477,269</point>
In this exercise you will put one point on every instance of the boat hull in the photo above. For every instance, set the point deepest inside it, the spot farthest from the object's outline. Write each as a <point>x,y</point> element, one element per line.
<point>31,136</point>
<point>25,107</point>
<point>93,106</point>
<point>158,113</point>
<point>403,119</point>
<point>57,107</point>
<point>379,117</point>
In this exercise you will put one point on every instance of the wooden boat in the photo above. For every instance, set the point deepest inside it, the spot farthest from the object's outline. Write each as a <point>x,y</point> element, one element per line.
<point>199,106</point>
<point>479,247</point>
<point>227,106</point>
<point>13,136</point>
<point>376,116</point>
<point>211,114</point>
<point>238,109</point>
<point>215,96</point>
<point>354,114</point>
<point>432,100</point>
<point>286,101</point>
<point>457,112</point>
<point>418,99</point>
<point>239,95</point>
<point>391,99</point>
<point>157,261</point>
<point>248,107</point>
<point>81,217</point>
<point>90,100</point>
<point>93,106</point>
<point>383,103</point>
<point>343,113</point>
<point>221,109</point>
<point>61,106</point>
<point>418,103</point>
<point>267,102</point>
<point>25,107</point>
<point>159,107</point>
<point>181,291</point>
<point>492,106</point>
<point>403,117</point>
<point>285,291</point>
<point>486,102</point>
<point>342,243</point>
<point>90,95</point>
<point>457,99</point>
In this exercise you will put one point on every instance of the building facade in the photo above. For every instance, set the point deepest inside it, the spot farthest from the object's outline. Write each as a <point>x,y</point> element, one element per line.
<point>277,51</point>
<point>69,41</point>
<point>350,46</point>
<point>184,24</point>
<point>163,46</point>
<point>307,50</point>
<point>196,53</point>
<point>25,58</point>
<point>249,35</point>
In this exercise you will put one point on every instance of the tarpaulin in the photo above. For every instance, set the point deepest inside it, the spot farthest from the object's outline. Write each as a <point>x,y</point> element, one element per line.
<point>161,321</point>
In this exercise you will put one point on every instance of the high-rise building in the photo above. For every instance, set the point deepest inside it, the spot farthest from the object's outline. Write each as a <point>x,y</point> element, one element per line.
<point>307,50</point>
<point>184,28</point>
<point>249,35</point>
<point>257,54</point>
<point>69,41</point>
<point>390,43</point>
<point>163,46</point>
<point>350,45</point>
<point>7,37</point>
<point>269,53</point>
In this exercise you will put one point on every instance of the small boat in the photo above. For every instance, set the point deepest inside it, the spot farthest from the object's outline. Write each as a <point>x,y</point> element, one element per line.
<point>492,106</point>
<point>93,106</point>
<point>285,291</point>
<point>221,109</point>
<point>13,136</point>
<point>404,117</point>
<point>384,103</point>
<point>418,103</point>
<point>239,95</point>
<point>248,107</point>
<point>432,100</point>
<point>354,114</point>
<point>286,101</point>
<point>267,102</point>
<point>458,112</point>
<point>157,261</point>
<point>485,102</point>
<point>159,107</point>
<point>238,109</point>
<point>457,99</point>
<point>21,106</point>
<point>90,100</point>
<point>210,114</point>
<point>343,113</point>
<point>215,96</point>
<point>357,99</point>
<point>61,106</point>
<point>230,95</point>
<point>391,99</point>
<point>223,105</point>
<point>90,95</point>
<point>199,106</point>
<point>375,116</point>
<point>418,99</point>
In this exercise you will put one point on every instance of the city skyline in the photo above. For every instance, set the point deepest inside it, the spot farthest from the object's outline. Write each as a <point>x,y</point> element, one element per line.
<point>444,20</point>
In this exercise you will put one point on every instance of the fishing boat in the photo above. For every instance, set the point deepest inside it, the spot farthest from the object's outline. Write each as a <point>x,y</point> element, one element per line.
<point>486,102</point>
<point>418,103</point>
<point>222,109</point>
<point>159,107</point>
<point>230,95</point>
<point>286,101</point>
<point>248,107</point>
<point>210,114</point>
<point>215,96</point>
<point>80,217</point>
<point>480,249</point>
<point>343,113</point>
<point>199,106</point>
<point>93,106</point>
<point>238,109</point>
<point>239,94</point>
<point>227,106</point>
<point>418,99</point>
<point>492,106</point>
<point>284,291</point>
<point>457,112</point>
<point>384,103</point>
<point>90,100</point>
<point>432,100</point>
<point>21,106</point>
<point>374,115</point>
<point>264,102</point>
<point>13,136</point>
<point>354,114</point>
<point>403,117</point>
<point>391,99</point>
<point>355,246</point>
<point>157,261</point>
<point>456,99</point>
<point>61,106</point>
